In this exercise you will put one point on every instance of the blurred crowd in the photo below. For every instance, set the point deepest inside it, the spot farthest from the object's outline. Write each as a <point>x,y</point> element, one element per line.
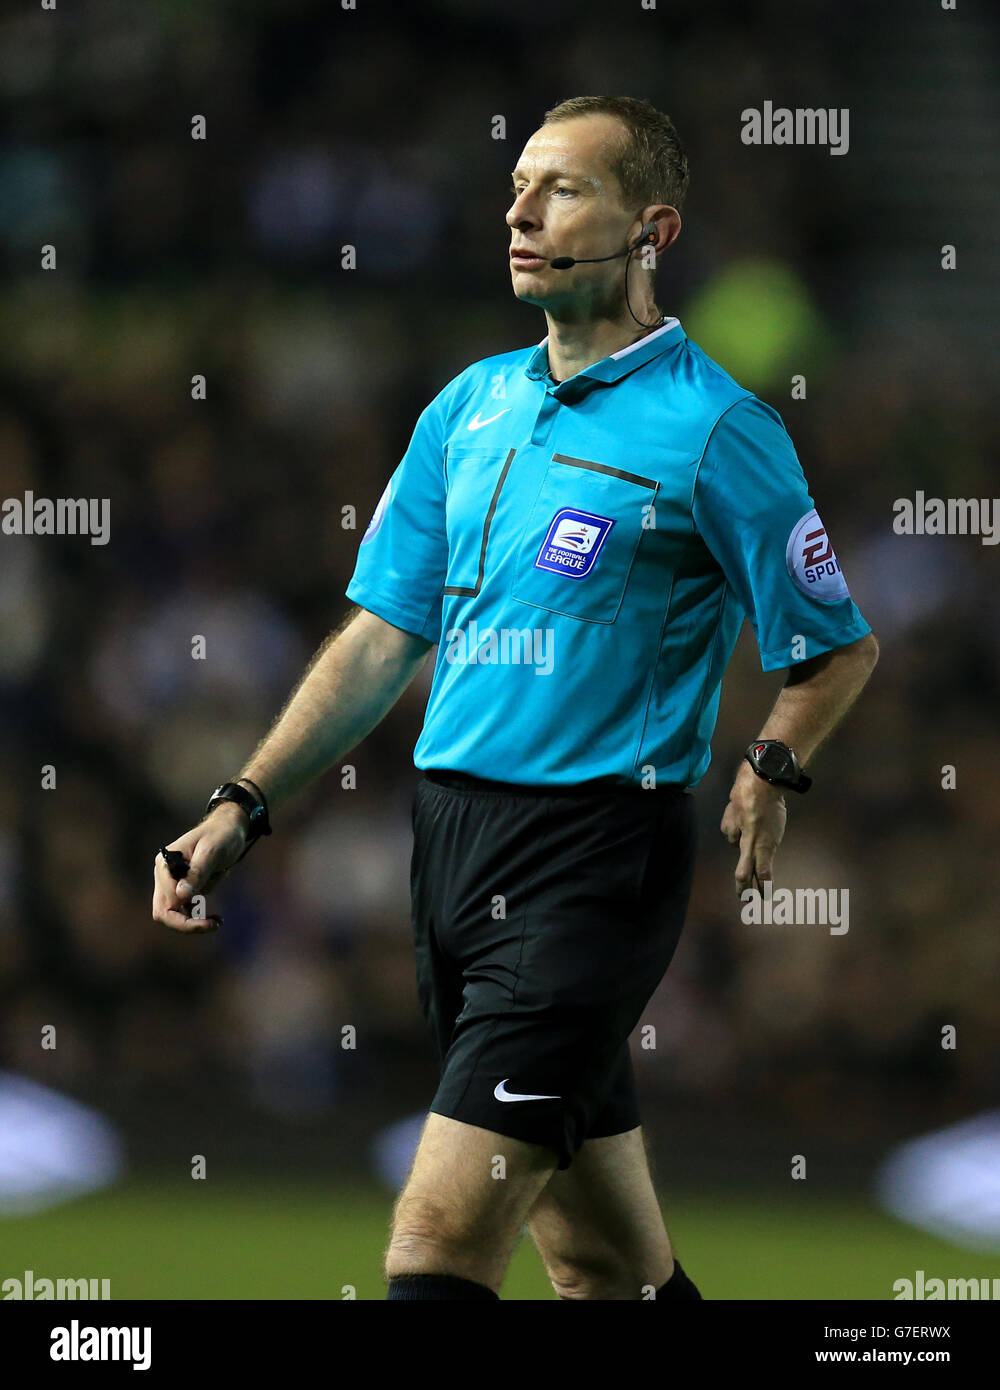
<point>231,519</point>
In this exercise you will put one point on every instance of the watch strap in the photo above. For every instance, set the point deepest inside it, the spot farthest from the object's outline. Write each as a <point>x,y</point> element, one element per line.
<point>799,783</point>
<point>255,808</point>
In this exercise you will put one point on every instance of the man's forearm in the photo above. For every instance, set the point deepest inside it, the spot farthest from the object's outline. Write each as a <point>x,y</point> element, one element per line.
<point>817,698</point>
<point>350,685</point>
<point>814,700</point>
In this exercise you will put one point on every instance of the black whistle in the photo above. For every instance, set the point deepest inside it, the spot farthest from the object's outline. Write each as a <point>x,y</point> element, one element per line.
<point>177,865</point>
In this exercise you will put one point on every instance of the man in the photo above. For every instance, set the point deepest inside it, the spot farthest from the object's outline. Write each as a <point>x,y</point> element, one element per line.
<point>580,529</point>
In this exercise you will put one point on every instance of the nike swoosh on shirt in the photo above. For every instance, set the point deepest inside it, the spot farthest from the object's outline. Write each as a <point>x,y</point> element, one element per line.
<point>502,1093</point>
<point>476,424</point>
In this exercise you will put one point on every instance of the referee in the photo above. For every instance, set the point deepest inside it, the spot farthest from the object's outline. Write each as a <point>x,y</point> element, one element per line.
<point>579,529</point>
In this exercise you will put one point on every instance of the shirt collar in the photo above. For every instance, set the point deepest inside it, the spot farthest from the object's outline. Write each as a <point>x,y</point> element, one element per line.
<point>611,368</point>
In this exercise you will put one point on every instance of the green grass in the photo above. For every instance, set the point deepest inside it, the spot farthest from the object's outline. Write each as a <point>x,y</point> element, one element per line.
<point>250,1239</point>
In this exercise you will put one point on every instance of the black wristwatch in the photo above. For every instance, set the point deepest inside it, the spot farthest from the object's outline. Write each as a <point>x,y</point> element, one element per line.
<point>254,806</point>
<point>776,763</point>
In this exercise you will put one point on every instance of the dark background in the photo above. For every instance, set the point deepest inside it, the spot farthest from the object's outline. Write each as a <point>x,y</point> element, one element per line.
<point>223,257</point>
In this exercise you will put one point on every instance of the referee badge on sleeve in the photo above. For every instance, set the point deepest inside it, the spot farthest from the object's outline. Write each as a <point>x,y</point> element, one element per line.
<point>378,515</point>
<point>812,562</point>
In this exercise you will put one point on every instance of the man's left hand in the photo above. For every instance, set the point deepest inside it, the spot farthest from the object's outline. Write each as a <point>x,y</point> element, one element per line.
<point>755,820</point>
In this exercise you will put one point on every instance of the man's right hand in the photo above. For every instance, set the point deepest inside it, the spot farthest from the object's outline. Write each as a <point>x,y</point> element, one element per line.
<point>211,849</point>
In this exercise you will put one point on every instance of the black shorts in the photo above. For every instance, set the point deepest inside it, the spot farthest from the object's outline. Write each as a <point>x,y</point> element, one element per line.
<point>544,919</point>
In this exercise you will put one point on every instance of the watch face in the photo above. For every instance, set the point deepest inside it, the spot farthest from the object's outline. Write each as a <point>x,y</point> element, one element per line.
<point>775,762</point>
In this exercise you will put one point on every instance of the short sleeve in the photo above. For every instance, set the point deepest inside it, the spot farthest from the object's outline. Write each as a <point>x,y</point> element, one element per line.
<point>753,510</point>
<point>403,556</point>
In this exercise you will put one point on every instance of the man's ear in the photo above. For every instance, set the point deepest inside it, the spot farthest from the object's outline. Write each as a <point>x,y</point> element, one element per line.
<point>668,223</point>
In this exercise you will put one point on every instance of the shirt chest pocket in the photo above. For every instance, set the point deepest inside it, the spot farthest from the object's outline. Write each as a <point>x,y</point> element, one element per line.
<point>581,538</point>
<point>475,479</point>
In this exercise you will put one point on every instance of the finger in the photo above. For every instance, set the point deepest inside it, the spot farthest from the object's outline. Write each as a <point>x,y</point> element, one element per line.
<point>196,878</point>
<point>162,877</point>
<point>203,873</point>
<point>730,827</point>
<point>745,866</point>
<point>764,857</point>
<point>164,888</point>
<point>163,873</point>
<point>176,915</point>
<point>180,921</point>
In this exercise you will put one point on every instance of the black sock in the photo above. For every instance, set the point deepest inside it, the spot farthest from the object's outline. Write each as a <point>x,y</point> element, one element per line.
<point>437,1286</point>
<point>678,1285</point>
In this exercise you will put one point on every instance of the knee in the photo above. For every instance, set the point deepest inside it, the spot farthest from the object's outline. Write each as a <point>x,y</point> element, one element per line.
<point>422,1225</point>
<point>601,1277</point>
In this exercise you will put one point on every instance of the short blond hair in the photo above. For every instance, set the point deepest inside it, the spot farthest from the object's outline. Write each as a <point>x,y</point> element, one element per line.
<point>649,161</point>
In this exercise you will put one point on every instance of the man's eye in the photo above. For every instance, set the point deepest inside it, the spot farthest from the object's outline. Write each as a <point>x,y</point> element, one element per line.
<point>560,189</point>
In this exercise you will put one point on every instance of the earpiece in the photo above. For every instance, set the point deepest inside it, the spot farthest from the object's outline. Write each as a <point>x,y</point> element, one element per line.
<point>647,237</point>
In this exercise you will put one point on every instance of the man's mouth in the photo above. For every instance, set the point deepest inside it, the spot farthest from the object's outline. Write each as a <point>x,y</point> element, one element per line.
<point>526,260</point>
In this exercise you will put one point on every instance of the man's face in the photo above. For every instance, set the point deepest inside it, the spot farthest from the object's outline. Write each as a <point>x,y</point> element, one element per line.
<point>567,203</point>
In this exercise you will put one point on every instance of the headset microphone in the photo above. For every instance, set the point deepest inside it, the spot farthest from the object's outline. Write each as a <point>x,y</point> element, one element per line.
<point>646,237</point>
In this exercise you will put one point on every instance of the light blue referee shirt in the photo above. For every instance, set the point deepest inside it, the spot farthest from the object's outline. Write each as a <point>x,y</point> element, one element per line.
<point>584,555</point>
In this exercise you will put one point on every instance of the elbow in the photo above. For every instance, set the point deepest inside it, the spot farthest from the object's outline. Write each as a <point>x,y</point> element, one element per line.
<point>869,646</point>
<point>860,656</point>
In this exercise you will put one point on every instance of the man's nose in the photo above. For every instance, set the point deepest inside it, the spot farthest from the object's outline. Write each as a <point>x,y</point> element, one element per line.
<point>521,213</point>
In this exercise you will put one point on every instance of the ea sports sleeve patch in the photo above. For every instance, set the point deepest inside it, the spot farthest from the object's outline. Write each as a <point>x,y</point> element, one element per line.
<point>752,508</point>
<point>812,562</point>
